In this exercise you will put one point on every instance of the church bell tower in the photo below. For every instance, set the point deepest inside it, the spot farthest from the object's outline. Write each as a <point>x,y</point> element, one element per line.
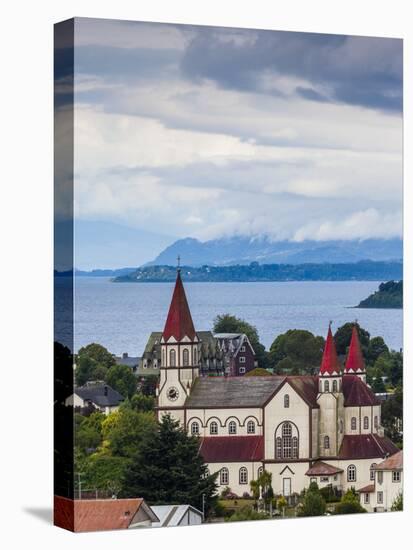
<point>180,347</point>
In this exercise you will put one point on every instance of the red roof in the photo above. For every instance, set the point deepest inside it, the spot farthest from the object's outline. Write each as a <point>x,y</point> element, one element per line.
<point>357,393</point>
<point>366,446</point>
<point>394,462</point>
<point>367,489</point>
<point>97,515</point>
<point>235,448</point>
<point>355,361</point>
<point>330,363</point>
<point>321,468</point>
<point>179,321</point>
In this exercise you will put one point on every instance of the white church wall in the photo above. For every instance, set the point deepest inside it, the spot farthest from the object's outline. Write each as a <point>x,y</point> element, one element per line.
<point>234,475</point>
<point>223,417</point>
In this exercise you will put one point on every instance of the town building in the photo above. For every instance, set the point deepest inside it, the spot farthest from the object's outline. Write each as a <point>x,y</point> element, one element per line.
<point>386,486</point>
<point>129,361</point>
<point>171,515</point>
<point>325,427</point>
<point>95,396</point>
<point>237,353</point>
<point>102,514</point>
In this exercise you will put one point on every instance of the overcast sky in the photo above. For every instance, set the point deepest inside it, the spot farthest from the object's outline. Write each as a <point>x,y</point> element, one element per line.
<point>210,132</point>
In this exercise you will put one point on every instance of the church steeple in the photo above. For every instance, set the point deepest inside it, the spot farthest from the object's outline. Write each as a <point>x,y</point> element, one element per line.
<point>330,365</point>
<point>179,321</point>
<point>355,362</point>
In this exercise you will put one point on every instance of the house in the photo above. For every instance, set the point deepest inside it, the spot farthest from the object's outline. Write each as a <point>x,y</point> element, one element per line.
<point>97,395</point>
<point>386,486</point>
<point>102,515</point>
<point>238,353</point>
<point>177,515</point>
<point>298,428</point>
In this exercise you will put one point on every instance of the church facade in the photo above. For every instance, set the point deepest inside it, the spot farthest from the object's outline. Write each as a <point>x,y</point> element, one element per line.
<point>324,428</point>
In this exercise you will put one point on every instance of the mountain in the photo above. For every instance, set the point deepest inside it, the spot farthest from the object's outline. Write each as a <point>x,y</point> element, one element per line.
<point>244,250</point>
<point>254,272</point>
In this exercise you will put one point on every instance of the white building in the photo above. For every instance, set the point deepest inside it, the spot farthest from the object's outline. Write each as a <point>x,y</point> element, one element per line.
<point>299,428</point>
<point>387,477</point>
<point>97,395</point>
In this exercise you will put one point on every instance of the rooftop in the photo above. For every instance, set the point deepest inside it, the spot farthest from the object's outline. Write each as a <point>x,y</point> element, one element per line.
<point>232,448</point>
<point>394,462</point>
<point>101,394</point>
<point>366,446</point>
<point>320,468</point>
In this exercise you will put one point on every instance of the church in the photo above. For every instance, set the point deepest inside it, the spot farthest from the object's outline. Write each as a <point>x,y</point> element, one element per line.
<point>324,428</point>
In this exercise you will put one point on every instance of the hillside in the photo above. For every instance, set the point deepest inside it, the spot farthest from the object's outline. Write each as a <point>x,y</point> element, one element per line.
<point>389,295</point>
<point>361,271</point>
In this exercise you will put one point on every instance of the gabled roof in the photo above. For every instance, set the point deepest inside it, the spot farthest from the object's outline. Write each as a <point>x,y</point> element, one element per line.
<point>170,515</point>
<point>232,448</point>
<point>354,361</point>
<point>366,446</point>
<point>100,394</point>
<point>330,363</point>
<point>248,391</point>
<point>367,489</point>
<point>357,393</point>
<point>99,515</point>
<point>394,462</point>
<point>320,468</point>
<point>179,321</point>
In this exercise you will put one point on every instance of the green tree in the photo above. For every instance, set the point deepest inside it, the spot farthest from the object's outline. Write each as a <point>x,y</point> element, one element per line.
<point>122,379</point>
<point>392,416</point>
<point>342,338</point>
<point>230,323</point>
<point>349,504</point>
<point>85,370</point>
<point>312,503</point>
<point>147,384</point>
<point>99,354</point>
<point>258,372</point>
<point>125,431</point>
<point>302,349</point>
<point>377,385</point>
<point>397,505</point>
<point>169,469</point>
<point>142,403</point>
<point>247,513</point>
<point>88,431</point>
<point>376,347</point>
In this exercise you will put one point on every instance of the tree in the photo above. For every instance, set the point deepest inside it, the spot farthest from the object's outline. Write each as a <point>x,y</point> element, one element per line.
<point>122,379</point>
<point>125,431</point>
<point>397,505</point>
<point>142,403</point>
<point>377,385</point>
<point>281,505</point>
<point>312,503</point>
<point>392,416</point>
<point>376,347</point>
<point>147,384</point>
<point>247,514</point>
<point>342,338</point>
<point>230,323</point>
<point>169,469</point>
<point>301,348</point>
<point>258,372</point>
<point>349,504</point>
<point>99,354</point>
<point>85,370</point>
<point>88,431</point>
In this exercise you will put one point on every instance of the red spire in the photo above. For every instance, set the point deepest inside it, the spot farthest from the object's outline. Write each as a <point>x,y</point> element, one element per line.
<point>355,361</point>
<point>330,363</point>
<point>179,321</point>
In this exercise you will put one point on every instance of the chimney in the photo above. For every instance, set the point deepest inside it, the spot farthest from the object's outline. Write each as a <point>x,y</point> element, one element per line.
<point>124,355</point>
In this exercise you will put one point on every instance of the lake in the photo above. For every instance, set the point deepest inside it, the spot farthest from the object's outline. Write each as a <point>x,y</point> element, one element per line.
<point>121,316</point>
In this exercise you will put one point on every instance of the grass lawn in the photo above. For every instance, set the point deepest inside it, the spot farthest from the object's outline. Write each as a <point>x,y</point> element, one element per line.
<point>236,503</point>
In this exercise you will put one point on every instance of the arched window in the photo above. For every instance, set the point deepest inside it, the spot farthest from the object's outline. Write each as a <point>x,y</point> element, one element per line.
<point>172,358</point>
<point>286,401</point>
<point>224,476</point>
<point>372,471</point>
<point>194,428</point>
<point>351,473</point>
<point>232,427</point>
<point>353,423</point>
<point>163,358</point>
<point>341,426</point>
<point>260,471</point>
<point>335,388</point>
<point>243,476</point>
<point>376,422</point>
<point>251,427</point>
<point>366,422</point>
<point>286,441</point>
<point>326,442</point>
<point>326,386</point>
<point>213,428</point>
<point>195,356</point>
<point>185,357</point>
